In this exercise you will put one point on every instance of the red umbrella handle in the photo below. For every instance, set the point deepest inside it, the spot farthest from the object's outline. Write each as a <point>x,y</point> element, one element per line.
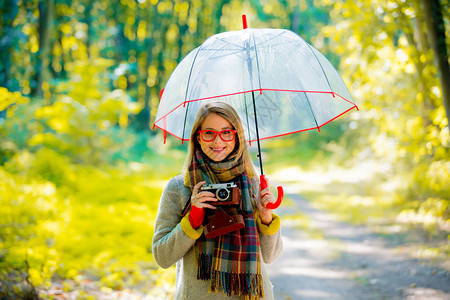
<point>263,185</point>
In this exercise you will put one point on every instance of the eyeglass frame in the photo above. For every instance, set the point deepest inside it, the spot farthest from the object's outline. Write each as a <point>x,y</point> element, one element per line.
<point>234,131</point>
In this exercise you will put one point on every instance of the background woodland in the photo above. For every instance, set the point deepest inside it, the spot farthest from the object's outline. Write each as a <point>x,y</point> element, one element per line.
<point>81,170</point>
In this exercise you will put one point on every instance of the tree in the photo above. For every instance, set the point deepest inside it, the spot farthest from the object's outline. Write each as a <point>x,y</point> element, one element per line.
<point>436,27</point>
<point>46,17</point>
<point>9,34</point>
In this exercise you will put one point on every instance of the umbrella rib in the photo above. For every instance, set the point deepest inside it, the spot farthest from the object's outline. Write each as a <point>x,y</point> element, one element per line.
<point>323,71</point>
<point>225,41</point>
<point>312,111</point>
<point>283,44</point>
<point>187,88</point>
<point>213,49</point>
<point>228,54</point>
<point>257,62</point>
<point>246,110</point>
<point>266,41</point>
<point>254,107</point>
<point>246,114</point>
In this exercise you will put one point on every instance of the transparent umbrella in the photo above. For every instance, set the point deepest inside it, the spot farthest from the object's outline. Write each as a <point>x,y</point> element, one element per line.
<point>276,81</point>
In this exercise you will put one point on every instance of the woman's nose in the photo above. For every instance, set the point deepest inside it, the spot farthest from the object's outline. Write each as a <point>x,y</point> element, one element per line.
<point>217,139</point>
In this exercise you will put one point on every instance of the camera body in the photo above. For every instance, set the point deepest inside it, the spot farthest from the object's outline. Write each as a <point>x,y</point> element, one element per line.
<point>226,193</point>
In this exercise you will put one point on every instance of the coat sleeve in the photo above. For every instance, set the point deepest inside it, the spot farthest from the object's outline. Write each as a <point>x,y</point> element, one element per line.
<point>270,239</point>
<point>269,236</point>
<point>170,241</point>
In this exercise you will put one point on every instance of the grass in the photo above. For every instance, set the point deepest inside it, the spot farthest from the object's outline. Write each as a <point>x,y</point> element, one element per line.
<point>86,231</point>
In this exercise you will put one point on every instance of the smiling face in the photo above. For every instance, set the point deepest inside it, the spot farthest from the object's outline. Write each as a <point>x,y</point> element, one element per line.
<point>217,149</point>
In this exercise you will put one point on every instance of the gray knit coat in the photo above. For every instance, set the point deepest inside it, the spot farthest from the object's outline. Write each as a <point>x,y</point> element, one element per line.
<point>171,245</point>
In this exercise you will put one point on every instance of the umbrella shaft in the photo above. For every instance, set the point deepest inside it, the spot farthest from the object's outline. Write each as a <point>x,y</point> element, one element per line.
<point>257,133</point>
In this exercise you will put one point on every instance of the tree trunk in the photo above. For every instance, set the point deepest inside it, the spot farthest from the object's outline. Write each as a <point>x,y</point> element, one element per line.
<point>413,31</point>
<point>142,119</point>
<point>88,22</point>
<point>433,17</point>
<point>160,58</point>
<point>218,15</point>
<point>7,41</point>
<point>295,17</point>
<point>46,15</point>
<point>144,116</point>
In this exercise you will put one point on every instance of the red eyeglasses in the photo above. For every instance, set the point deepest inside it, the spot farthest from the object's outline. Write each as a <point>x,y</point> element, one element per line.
<point>209,135</point>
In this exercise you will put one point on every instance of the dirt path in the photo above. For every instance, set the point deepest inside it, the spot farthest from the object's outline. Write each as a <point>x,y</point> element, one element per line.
<point>334,260</point>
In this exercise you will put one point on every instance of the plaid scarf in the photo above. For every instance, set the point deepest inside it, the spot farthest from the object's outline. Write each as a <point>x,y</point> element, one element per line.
<point>231,261</point>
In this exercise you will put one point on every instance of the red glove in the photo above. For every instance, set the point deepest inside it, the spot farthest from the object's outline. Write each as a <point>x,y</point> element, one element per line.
<point>196,216</point>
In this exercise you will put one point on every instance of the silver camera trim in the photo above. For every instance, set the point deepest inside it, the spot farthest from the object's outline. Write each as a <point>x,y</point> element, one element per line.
<point>219,187</point>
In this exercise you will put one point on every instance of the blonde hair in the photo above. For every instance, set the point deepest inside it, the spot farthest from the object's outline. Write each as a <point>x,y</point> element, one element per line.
<point>228,113</point>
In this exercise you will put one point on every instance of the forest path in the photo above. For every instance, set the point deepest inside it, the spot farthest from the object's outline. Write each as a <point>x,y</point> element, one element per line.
<point>335,260</point>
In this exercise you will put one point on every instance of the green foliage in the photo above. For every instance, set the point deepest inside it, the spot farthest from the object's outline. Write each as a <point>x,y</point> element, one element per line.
<point>79,123</point>
<point>93,222</point>
<point>29,210</point>
<point>388,62</point>
<point>67,212</point>
<point>68,215</point>
<point>11,104</point>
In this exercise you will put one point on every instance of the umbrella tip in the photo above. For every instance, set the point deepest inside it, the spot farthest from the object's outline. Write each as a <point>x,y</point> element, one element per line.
<point>244,21</point>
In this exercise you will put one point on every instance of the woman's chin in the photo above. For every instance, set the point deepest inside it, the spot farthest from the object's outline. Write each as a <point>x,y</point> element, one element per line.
<point>217,156</point>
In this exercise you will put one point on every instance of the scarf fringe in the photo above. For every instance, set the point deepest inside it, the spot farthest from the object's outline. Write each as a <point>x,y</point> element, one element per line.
<point>204,266</point>
<point>250,286</point>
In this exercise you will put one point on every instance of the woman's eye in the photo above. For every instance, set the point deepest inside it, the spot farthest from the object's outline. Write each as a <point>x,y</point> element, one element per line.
<point>226,132</point>
<point>209,132</point>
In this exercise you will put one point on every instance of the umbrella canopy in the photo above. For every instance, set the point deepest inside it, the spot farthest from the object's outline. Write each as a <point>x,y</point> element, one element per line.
<point>295,87</point>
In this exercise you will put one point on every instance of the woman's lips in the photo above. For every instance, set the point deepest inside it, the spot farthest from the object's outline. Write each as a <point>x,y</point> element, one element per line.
<point>217,149</point>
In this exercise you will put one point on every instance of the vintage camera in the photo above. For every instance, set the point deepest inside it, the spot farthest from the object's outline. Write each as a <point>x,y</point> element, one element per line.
<point>226,193</point>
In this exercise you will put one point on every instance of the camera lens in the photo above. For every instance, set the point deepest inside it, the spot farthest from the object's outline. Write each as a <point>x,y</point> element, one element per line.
<point>222,194</point>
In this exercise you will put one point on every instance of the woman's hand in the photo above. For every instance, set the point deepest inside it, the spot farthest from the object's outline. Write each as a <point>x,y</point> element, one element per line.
<point>265,197</point>
<point>199,199</point>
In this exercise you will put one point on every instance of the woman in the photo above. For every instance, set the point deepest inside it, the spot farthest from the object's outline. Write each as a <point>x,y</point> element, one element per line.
<point>228,266</point>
